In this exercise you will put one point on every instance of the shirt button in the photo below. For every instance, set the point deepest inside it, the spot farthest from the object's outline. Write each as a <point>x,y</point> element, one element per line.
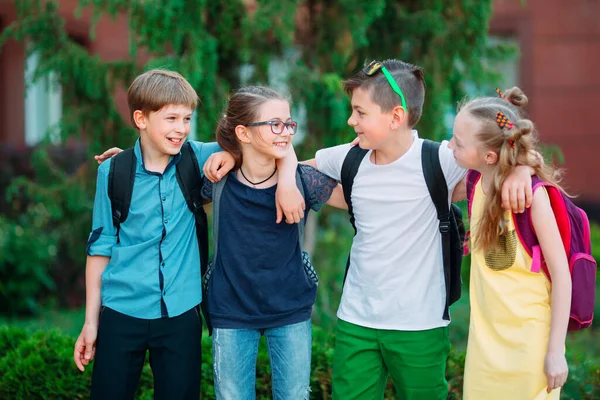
<point>164,292</point>
<point>163,265</point>
<point>164,199</point>
<point>166,221</point>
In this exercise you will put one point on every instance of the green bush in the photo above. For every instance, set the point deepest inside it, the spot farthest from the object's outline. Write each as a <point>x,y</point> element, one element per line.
<point>40,366</point>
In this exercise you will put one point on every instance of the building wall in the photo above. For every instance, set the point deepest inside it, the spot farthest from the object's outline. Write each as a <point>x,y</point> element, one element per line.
<point>560,57</point>
<point>111,44</point>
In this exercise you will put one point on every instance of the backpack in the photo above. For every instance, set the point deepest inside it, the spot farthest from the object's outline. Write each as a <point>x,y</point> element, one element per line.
<point>121,177</point>
<point>450,217</point>
<point>574,228</point>
<point>217,191</point>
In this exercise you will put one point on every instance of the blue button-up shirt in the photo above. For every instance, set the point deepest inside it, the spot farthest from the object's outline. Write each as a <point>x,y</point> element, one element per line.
<point>154,267</point>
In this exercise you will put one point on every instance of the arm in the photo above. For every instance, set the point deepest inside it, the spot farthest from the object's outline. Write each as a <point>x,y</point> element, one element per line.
<point>460,191</point>
<point>99,249</point>
<point>312,162</point>
<point>545,226</point>
<point>337,198</point>
<point>85,346</point>
<point>288,198</point>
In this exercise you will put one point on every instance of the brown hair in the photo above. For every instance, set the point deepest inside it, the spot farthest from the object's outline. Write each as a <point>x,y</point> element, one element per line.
<point>157,88</point>
<point>409,78</point>
<point>514,147</point>
<point>242,109</point>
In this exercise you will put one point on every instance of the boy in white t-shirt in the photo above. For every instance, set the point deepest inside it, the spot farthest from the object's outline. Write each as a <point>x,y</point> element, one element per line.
<point>393,302</point>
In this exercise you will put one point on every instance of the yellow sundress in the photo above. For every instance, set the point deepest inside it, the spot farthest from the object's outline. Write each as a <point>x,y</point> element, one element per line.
<point>510,320</point>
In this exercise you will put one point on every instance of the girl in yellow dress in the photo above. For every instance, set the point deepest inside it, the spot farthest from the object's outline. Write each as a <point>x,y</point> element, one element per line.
<point>516,347</point>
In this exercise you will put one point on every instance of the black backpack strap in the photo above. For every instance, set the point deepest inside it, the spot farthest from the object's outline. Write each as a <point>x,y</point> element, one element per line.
<point>438,190</point>
<point>190,182</point>
<point>349,171</point>
<point>121,176</point>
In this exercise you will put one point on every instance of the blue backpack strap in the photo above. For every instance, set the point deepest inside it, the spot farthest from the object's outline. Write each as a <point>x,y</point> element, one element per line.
<point>122,166</point>
<point>190,182</point>
<point>348,173</point>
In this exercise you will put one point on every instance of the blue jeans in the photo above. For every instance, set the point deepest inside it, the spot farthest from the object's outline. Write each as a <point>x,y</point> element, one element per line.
<point>234,361</point>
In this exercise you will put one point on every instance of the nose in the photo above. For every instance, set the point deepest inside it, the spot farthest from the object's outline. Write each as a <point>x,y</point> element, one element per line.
<point>451,144</point>
<point>351,120</point>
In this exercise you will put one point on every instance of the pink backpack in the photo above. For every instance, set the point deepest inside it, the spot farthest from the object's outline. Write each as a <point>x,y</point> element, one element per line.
<point>574,228</point>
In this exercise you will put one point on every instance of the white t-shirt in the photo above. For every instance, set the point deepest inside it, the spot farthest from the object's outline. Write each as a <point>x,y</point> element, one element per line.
<point>396,277</point>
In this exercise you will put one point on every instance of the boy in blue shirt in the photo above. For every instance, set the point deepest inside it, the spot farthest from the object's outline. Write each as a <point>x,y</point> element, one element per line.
<point>143,283</point>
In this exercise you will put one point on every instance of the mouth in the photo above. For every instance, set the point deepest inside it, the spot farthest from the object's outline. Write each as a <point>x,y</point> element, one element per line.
<point>281,145</point>
<point>175,141</point>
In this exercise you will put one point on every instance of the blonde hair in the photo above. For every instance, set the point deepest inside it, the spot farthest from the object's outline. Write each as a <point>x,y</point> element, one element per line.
<point>514,146</point>
<point>158,88</point>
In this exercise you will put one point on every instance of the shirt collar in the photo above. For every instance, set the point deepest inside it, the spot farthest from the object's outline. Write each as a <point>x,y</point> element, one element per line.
<point>137,150</point>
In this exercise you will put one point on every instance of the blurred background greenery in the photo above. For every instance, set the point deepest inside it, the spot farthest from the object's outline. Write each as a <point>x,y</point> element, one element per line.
<point>303,47</point>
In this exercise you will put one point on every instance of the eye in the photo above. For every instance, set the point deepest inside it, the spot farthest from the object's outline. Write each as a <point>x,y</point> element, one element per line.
<point>171,118</point>
<point>277,125</point>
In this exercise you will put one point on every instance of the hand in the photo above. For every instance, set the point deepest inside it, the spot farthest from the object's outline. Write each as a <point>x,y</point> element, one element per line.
<point>556,370</point>
<point>85,346</point>
<point>107,154</point>
<point>218,165</point>
<point>355,141</point>
<point>290,202</point>
<point>516,190</point>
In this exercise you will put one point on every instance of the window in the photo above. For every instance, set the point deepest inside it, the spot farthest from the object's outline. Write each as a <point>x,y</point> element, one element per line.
<point>43,104</point>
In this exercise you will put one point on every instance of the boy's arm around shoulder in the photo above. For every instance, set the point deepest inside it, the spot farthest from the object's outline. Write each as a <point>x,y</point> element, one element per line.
<point>321,189</point>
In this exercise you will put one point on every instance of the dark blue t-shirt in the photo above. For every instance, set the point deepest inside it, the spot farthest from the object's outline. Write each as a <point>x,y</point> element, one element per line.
<point>258,280</point>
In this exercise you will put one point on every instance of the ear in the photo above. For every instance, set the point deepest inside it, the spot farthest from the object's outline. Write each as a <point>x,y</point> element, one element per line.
<point>242,134</point>
<point>399,117</point>
<point>140,119</point>
<point>491,157</point>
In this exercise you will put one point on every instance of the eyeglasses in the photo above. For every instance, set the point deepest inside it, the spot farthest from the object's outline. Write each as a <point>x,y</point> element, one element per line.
<point>374,67</point>
<point>277,126</point>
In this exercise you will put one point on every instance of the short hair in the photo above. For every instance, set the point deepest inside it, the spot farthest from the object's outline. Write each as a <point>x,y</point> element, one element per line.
<point>409,78</point>
<point>154,89</point>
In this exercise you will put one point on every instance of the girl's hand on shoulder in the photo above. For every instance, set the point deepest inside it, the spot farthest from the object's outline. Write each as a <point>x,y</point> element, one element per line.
<point>556,370</point>
<point>516,190</point>
<point>113,151</point>
<point>218,165</point>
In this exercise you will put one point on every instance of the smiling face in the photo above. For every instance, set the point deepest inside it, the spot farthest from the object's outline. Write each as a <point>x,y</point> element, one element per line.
<point>261,139</point>
<point>165,129</point>
<point>370,124</point>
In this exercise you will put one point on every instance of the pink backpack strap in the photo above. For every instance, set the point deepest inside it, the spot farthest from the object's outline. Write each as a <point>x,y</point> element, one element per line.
<point>472,179</point>
<point>471,183</point>
<point>526,232</point>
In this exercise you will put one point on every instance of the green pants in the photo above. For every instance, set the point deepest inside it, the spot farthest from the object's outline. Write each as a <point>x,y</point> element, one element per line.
<point>363,358</point>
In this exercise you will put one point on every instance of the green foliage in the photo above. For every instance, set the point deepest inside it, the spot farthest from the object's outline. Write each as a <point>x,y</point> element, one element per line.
<point>320,43</point>
<point>40,366</point>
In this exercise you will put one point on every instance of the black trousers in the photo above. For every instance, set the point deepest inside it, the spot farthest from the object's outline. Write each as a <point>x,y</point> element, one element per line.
<point>175,355</point>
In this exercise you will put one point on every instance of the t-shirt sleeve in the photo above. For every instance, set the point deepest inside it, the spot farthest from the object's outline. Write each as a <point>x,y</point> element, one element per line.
<point>204,150</point>
<point>104,235</point>
<point>206,191</point>
<point>330,160</point>
<point>452,172</point>
<point>318,187</point>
